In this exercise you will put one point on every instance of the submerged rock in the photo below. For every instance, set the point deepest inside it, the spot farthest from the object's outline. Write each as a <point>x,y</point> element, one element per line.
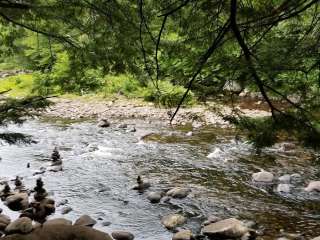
<point>263,176</point>
<point>228,228</point>
<point>85,220</point>
<point>182,235</point>
<point>21,225</point>
<point>189,134</point>
<point>122,235</point>
<point>178,192</point>
<point>172,221</point>
<point>313,186</point>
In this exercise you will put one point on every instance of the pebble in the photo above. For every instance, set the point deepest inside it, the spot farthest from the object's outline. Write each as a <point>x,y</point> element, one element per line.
<point>154,197</point>
<point>66,210</point>
<point>171,221</point>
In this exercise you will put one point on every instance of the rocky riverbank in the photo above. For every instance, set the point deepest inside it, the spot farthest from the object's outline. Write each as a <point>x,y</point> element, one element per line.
<point>132,109</point>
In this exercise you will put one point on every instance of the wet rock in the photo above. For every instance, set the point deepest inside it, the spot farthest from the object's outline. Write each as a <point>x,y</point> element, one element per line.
<point>1,210</point>
<point>172,221</point>
<point>263,176</point>
<point>132,129</point>
<point>182,235</point>
<point>18,201</point>
<point>40,192</point>
<point>58,221</point>
<point>296,177</point>
<point>189,134</point>
<point>313,186</point>
<point>215,154</point>
<point>103,123</point>
<point>122,235</point>
<point>285,178</point>
<point>106,223</point>
<point>122,125</point>
<point>62,202</point>
<point>42,170</point>
<point>21,225</point>
<point>66,210</point>
<point>6,191</point>
<point>178,192</point>
<point>228,228</point>
<point>61,232</point>
<point>4,221</point>
<point>85,220</point>
<point>141,185</point>
<point>283,188</point>
<point>57,168</point>
<point>154,197</point>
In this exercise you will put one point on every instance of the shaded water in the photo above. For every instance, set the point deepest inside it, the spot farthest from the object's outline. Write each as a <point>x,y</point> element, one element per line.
<point>101,165</point>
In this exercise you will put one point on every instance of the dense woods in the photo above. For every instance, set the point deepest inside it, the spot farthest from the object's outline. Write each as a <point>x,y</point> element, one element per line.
<point>172,52</point>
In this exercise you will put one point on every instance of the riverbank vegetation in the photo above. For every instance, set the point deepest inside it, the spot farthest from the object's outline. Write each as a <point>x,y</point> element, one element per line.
<point>173,53</point>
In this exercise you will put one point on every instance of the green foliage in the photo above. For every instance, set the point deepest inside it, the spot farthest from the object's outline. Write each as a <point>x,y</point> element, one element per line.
<point>19,86</point>
<point>122,84</point>
<point>166,94</point>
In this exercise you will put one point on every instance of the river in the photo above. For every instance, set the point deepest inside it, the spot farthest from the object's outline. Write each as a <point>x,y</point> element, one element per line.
<point>101,165</point>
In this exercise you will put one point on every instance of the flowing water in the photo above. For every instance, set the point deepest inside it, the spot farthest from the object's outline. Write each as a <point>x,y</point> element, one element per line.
<point>101,165</point>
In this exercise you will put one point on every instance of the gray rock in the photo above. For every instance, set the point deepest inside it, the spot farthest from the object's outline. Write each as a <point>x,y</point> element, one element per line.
<point>317,238</point>
<point>154,197</point>
<point>104,123</point>
<point>58,221</point>
<point>313,186</point>
<point>228,228</point>
<point>21,225</point>
<point>122,125</point>
<point>122,235</point>
<point>85,220</point>
<point>172,221</point>
<point>263,176</point>
<point>62,202</point>
<point>178,192</point>
<point>132,129</point>
<point>285,178</point>
<point>106,223</point>
<point>66,210</point>
<point>283,188</point>
<point>211,219</point>
<point>296,177</point>
<point>182,235</point>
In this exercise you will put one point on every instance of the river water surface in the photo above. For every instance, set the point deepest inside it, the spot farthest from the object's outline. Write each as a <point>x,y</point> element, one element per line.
<point>101,165</point>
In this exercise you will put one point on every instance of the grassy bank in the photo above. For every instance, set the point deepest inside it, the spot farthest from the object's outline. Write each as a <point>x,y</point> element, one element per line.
<point>164,94</point>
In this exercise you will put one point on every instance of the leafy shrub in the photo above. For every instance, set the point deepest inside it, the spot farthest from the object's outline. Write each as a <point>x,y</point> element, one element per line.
<point>167,94</point>
<point>123,84</point>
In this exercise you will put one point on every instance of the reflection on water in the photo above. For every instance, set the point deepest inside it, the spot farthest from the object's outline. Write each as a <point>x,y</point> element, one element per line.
<point>101,165</point>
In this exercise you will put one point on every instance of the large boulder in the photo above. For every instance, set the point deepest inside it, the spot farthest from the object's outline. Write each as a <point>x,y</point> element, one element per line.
<point>122,235</point>
<point>178,192</point>
<point>263,176</point>
<point>61,232</point>
<point>18,201</point>
<point>172,221</point>
<point>21,225</point>
<point>85,220</point>
<point>228,228</point>
<point>182,235</point>
<point>313,186</point>
<point>4,221</point>
<point>58,221</point>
